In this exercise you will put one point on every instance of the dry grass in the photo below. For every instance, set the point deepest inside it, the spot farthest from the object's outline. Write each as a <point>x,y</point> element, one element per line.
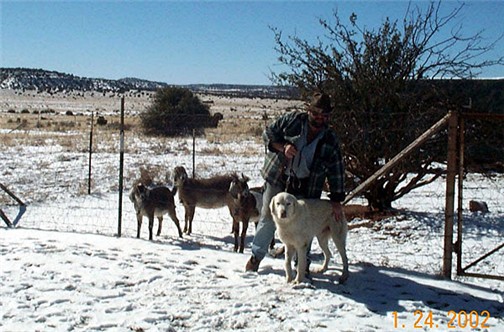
<point>36,120</point>
<point>230,130</point>
<point>243,117</point>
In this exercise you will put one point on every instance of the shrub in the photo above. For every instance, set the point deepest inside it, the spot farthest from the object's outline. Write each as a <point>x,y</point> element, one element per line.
<point>175,111</point>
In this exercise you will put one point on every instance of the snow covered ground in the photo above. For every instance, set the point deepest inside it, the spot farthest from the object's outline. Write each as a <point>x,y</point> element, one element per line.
<point>63,268</point>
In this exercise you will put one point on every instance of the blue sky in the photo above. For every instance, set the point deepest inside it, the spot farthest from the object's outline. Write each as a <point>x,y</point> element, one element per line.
<point>184,42</point>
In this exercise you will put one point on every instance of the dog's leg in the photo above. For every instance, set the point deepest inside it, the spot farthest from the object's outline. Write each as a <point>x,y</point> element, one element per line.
<point>160,225</point>
<point>289,255</point>
<point>323,241</point>
<point>139,223</point>
<point>340,242</point>
<point>173,216</point>
<point>301,264</point>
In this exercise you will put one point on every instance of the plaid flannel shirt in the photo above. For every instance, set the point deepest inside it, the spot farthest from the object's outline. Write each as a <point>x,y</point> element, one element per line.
<point>327,162</point>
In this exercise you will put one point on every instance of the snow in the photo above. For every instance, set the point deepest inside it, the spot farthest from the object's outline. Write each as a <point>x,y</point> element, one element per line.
<point>63,268</point>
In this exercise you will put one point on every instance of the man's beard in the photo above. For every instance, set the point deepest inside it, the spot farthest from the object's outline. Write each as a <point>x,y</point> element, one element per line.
<point>316,124</point>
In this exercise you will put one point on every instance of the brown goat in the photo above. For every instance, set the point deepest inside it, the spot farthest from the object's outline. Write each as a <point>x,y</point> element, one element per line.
<point>209,193</point>
<point>247,205</point>
<point>151,202</point>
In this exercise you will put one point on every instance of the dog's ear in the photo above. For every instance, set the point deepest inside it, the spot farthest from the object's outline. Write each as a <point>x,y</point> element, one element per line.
<point>294,205</point>
<point>292,202</point>
<point>272,206</point>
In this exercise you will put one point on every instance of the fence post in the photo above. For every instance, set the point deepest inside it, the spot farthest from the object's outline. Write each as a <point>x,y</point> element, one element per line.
<point>450,194</point>
<point>194,153</point>
<point>90,153</point>
<point>121,165</point>
<point>460,169</point>
<point>265,118</point>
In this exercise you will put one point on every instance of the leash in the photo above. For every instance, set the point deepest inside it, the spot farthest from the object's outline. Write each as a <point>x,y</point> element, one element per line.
<point>290,173</point>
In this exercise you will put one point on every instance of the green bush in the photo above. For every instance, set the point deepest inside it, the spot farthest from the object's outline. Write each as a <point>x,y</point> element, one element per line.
<point>175,111</point>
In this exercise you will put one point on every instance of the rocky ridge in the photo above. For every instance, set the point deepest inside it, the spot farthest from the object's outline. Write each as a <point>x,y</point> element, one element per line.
<point>40,80</point>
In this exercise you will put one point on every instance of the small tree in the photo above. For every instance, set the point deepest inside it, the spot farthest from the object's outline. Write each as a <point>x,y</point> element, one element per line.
<point>175,111</point>
<point>385,85</point>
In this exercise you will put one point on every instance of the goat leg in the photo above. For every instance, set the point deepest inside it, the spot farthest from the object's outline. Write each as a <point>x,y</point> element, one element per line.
<point>139,224</point>
<point>173,217</point>
<point>187,217</point>
<point>243,235</point>
<point>189,220</point>
<point>151,225</point>
<point>236,231</point>
<point>160,225</point>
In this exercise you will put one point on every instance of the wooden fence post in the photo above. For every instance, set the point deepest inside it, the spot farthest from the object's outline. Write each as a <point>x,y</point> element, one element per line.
<point>450,194</point>
<point>460,170</point>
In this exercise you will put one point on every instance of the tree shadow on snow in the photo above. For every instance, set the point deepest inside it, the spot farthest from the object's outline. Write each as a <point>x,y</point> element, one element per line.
<point>382,289</point>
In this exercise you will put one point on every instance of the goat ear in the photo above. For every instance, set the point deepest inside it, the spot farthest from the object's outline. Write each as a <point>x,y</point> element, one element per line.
<point>232,190</point>
<point>141,188</point>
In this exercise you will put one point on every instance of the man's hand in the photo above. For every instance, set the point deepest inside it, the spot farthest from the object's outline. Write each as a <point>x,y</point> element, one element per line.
<point>338,211</point>
<point>289,150</point>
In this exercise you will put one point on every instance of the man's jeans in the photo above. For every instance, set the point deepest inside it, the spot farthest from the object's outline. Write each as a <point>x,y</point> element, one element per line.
<point>266,227</point>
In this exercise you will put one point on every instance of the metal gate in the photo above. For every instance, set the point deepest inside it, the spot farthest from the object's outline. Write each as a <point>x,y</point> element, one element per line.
<point>456,170</point>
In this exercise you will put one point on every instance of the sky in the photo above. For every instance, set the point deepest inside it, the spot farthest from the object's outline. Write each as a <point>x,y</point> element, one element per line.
<point>190,42</point>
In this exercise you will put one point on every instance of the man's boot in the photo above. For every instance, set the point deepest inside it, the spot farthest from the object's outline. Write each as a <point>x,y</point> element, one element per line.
<point>252,264</point>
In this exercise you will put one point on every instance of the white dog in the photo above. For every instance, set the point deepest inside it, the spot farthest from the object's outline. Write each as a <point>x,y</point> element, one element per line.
<point>298,221</point>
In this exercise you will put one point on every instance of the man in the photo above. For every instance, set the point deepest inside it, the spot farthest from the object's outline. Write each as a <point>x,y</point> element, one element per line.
<point>302,153</point>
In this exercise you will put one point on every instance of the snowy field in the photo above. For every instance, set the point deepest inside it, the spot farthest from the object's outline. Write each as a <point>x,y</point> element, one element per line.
<point>63,268</point>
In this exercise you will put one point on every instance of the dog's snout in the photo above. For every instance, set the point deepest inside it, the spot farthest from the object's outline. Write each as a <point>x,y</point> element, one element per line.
<point>283,213</point>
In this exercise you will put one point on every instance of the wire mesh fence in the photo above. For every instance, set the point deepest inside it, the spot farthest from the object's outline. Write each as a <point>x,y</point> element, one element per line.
<point>480,226</point>
<point>66,168</point>
<point>70,182</point>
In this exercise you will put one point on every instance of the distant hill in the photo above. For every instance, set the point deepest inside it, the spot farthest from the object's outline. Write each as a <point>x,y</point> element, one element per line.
<point>485,95</point>
<point>53,81</point>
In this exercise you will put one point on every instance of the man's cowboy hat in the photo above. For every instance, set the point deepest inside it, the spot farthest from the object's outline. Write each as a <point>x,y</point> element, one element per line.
<point>321,101</point>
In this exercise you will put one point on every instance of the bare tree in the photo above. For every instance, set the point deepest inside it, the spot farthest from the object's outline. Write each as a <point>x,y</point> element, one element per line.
<point>386,84</point>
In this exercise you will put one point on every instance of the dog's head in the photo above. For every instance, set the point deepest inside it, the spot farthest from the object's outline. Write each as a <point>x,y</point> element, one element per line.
<point>283,206</point>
